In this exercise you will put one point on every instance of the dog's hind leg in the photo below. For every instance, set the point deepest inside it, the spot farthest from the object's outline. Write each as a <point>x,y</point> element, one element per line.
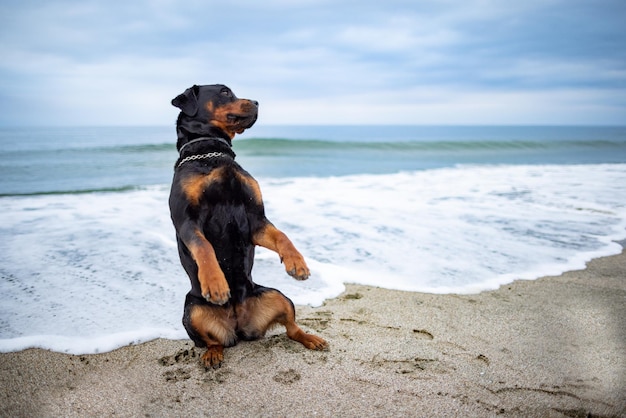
<point>212,327</point>
<point>259,313</point>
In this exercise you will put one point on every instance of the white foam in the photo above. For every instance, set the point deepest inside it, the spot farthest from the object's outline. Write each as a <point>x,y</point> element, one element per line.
<point>90,345</point>
<point>455,230</point>
<point>92,272</point>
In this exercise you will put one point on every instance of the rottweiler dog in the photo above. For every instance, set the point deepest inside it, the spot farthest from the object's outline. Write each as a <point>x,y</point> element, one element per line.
<point>219,217</point>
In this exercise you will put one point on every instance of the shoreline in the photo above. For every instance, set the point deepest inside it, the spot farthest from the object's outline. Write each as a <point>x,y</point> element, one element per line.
<point>554,346</point>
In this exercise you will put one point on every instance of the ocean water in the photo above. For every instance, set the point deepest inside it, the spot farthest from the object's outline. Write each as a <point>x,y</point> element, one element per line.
<point>88,258</point>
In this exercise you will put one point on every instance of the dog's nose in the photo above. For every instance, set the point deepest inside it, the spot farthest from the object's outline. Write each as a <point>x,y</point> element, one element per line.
<point>255,103</point>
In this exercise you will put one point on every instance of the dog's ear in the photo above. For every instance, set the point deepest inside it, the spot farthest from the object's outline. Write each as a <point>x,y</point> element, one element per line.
<point>188,101</point>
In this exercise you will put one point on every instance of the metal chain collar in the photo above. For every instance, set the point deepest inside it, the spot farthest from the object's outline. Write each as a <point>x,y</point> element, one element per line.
<point>202,157</point>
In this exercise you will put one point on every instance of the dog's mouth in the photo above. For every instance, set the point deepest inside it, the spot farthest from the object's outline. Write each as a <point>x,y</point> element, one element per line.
<point>233,118</point>
<point>241,121</point>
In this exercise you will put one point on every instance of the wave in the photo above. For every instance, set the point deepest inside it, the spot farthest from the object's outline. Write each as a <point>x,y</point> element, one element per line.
<point>272,146</point>
<point>57,149</point>
<point>312,141</point>
<point>139,148</point>
<point>86,160</point>
<point>121,189</point>
<point>278,145</point>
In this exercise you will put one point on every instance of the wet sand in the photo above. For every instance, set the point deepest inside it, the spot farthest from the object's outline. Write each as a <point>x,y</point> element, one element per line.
<point>552,347</point>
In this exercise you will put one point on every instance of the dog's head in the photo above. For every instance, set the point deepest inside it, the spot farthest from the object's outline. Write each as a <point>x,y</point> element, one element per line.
<point>211,110</point>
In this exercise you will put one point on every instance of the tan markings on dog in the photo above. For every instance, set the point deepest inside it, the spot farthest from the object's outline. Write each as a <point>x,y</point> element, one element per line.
<point>215,325</point>
<point>256,315</point>
<point>194,186</point>
<point>210,107</point>
<point>220,117</point>
<point>268,237</point>
<point>273,239</point>
<point>310,341</point>
<point>252,185</point>
<point>224,127</point>
<point>213,283</point>
<point>222,112</point>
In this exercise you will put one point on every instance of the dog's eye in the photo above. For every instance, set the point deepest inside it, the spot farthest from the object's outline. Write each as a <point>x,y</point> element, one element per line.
<point>226,93</point>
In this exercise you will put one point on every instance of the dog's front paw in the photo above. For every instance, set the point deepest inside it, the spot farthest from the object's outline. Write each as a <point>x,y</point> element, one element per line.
<point>216,290</point>
<point>299,273</point>
<point>296,266</point>
<point>218,297</point>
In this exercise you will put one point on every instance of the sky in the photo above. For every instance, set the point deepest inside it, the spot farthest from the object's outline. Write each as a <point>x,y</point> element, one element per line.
<point>434,62</point>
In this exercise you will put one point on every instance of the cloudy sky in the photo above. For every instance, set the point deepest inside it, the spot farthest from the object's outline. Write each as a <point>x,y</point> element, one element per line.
<point>110,62</point>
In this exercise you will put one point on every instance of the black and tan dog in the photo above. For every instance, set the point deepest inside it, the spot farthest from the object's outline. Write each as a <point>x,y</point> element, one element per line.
<point>218,213</point>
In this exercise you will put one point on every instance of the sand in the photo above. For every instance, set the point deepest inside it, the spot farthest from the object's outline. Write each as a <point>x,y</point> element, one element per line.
<point>552,347</point>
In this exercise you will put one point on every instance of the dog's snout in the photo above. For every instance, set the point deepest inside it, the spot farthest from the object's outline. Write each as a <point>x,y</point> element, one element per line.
<point>255,103</point>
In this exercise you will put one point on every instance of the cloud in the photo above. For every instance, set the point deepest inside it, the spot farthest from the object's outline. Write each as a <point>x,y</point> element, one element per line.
<point>479,61</point>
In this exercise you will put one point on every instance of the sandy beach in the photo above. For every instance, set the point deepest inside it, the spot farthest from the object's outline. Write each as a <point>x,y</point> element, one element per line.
<point>552,347</point>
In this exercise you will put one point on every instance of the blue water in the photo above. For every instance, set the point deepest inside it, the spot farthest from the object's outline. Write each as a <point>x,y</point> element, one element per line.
<point>48,160</point>
<point>88,258</point>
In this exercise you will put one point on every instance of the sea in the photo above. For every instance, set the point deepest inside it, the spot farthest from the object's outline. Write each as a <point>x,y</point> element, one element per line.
<point>88,258</point>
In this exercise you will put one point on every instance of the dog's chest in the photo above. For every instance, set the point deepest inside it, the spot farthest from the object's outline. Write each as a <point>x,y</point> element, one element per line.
<point>194,186</point>
<point>222,184</point>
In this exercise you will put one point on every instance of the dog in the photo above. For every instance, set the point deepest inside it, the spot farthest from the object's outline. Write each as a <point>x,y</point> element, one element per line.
<point>217,210</point>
